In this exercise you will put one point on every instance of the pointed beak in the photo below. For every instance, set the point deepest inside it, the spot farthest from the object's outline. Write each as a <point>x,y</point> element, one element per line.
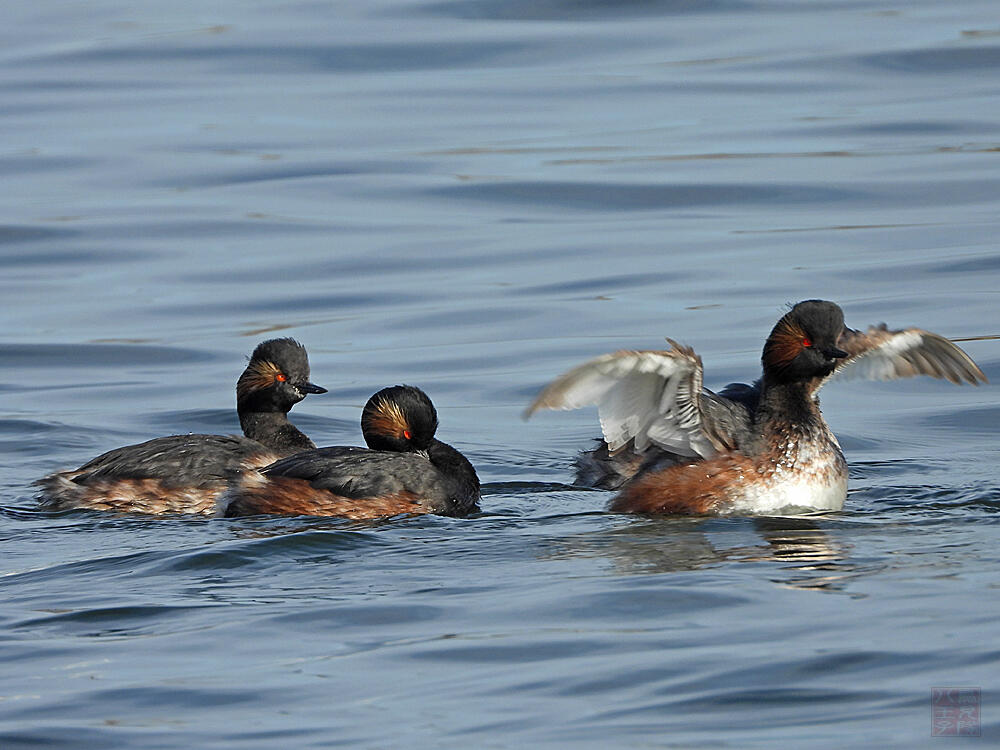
<point>834,353</point>
<point>310,388</point>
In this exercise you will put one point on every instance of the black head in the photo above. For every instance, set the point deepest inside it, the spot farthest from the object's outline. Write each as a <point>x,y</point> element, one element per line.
<point>276,378</point>
<point>399,418</point>
<point>803,344</point>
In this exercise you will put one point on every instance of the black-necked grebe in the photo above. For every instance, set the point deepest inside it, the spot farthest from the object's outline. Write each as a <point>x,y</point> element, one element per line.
<point>405,469</point>
<point>185,473</point>
<point>671,446</point>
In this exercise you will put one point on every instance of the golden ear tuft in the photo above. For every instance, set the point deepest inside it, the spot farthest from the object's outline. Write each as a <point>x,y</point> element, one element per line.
<point>387,418</point>
<point>259,374</point>
<point>784,344</point>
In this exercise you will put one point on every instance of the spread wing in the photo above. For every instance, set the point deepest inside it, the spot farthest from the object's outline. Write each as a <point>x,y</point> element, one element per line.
<point>881,354</point>
<point>645,396</point>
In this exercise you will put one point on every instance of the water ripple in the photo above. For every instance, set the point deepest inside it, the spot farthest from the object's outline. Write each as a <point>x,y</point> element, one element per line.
<point>602,197</point>
<point>72,356</point>
<point>275,60</point>
<point>937,60</point>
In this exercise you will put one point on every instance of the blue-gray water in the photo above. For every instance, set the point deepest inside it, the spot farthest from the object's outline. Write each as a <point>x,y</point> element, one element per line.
<point>473,196</point>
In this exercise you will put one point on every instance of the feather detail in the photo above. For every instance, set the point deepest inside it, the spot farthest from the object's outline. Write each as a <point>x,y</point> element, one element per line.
<point>649,397</point>
<point>881,354</point>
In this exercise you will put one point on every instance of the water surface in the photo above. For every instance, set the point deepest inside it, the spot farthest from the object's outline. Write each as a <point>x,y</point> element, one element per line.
<point>472,197</point>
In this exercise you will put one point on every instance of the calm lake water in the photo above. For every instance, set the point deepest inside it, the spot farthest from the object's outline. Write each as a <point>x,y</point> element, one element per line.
<point>472,196</point>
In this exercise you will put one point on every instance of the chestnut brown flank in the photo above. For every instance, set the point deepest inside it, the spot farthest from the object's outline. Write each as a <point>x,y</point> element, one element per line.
<point>686,488</point>
<point>148,496</point>
<point>287,496</point>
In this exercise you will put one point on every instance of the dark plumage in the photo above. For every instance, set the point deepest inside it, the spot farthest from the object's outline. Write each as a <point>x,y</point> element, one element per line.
<point>404,470</point>
<point>671,445</point>
<point>185,473</point>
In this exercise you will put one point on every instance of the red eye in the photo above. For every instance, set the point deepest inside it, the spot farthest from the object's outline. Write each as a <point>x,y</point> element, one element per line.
<point>806,341</point>
<point>281,377</point>
<point>406,434</point>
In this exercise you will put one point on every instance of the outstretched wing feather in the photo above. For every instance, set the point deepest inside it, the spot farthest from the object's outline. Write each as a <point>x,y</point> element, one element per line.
<point>645,396</point>
<point>881,354</point>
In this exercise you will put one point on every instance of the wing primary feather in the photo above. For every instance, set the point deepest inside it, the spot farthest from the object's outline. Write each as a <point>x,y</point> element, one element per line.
<point>642,397</point>
<point>882,354</point>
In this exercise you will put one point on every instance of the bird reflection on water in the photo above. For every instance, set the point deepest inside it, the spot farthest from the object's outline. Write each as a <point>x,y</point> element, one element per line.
<point>810,556</point>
